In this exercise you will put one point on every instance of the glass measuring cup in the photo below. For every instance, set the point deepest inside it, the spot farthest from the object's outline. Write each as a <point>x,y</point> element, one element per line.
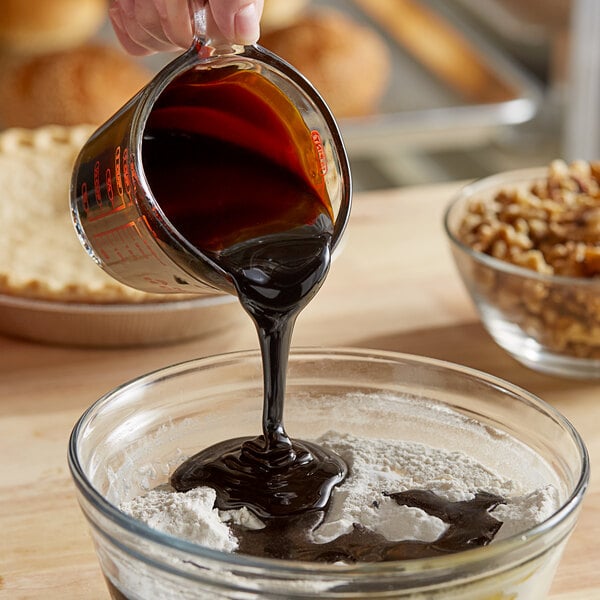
<point>117,217</point>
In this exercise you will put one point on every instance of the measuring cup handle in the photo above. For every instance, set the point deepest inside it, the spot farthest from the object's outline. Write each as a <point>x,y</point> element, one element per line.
<point>205,29</point>
<point>198,14</point>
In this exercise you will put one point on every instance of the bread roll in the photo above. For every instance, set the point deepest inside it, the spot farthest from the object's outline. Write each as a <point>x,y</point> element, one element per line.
<point>50,25</point>
<point>86,84</point>
<point>347,62</point>
<point>281,13</point>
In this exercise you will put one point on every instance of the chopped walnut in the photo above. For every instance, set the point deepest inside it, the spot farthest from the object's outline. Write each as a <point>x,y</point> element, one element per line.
<point>562,210</point>
<point>551,227</point>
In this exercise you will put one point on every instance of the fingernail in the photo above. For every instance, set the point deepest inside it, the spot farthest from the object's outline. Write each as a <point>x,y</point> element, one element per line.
<point>247,24</point>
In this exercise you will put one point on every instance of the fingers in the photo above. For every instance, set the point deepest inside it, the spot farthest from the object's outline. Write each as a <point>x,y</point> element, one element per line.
<point>238,20</point>
<point>175,17</point>
<point>146,26</point>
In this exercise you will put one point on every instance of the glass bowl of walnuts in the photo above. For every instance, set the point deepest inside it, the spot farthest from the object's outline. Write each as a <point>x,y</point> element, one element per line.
<point>527,246</point>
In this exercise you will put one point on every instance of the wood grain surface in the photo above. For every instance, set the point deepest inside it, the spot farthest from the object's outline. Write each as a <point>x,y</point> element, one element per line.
<point>393,287</point>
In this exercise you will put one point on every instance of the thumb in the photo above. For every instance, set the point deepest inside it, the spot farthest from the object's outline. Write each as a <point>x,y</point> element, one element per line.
<point>238,20</point>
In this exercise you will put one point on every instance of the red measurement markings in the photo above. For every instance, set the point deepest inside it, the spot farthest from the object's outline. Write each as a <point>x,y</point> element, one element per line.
<point>161,283</point>
<point>97,191</point>
<point>118,178</point>
<point>109,188</point>
<point>125,243</point>
<point>134,177</point>
<point>117,185</point>
<point>318,143</point>
<point>84,197</point>
<point>126,176</point>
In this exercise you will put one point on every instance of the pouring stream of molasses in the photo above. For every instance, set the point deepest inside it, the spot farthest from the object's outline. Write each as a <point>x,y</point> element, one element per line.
<point>264,217</point>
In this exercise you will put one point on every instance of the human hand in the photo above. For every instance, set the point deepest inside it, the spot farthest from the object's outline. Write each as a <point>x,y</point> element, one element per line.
<point>147,26</point>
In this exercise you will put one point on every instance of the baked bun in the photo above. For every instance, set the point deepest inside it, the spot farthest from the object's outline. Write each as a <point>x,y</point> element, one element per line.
<point>50,25</point>
<point>281,13</point>
<point>86,84</point>
<point>347,62</point>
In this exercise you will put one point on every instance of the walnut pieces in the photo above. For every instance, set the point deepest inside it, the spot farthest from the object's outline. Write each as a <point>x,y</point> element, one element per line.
<point>550,226</point>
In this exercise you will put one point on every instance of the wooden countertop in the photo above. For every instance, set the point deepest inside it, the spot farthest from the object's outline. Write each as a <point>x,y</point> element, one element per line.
<point>393,287</point>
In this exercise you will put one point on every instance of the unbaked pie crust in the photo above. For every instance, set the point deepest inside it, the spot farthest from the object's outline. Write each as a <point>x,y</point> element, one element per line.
<point>40,255</point>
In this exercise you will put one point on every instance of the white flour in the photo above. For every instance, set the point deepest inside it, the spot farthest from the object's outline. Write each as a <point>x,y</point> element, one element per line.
<point>375,467</point>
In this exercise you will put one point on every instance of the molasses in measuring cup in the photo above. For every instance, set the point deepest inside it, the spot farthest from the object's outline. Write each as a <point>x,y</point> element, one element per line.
<point>226,144</point>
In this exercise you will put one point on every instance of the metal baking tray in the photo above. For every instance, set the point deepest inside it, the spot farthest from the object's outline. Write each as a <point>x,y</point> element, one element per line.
<point>419,109</point>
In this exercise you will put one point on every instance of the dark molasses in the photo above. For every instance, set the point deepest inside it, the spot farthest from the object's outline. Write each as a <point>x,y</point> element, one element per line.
<point>236,171</point>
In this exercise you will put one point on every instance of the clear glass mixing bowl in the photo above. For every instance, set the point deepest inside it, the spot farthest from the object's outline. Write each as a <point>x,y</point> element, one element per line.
<point>131,439</point>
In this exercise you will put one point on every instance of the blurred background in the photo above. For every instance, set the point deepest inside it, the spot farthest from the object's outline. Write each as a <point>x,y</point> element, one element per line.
<point>424,90</point>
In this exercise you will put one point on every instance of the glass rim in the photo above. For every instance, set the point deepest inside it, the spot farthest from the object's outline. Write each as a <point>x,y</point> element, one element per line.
<point>488,182</point>
<point>391,569</point>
